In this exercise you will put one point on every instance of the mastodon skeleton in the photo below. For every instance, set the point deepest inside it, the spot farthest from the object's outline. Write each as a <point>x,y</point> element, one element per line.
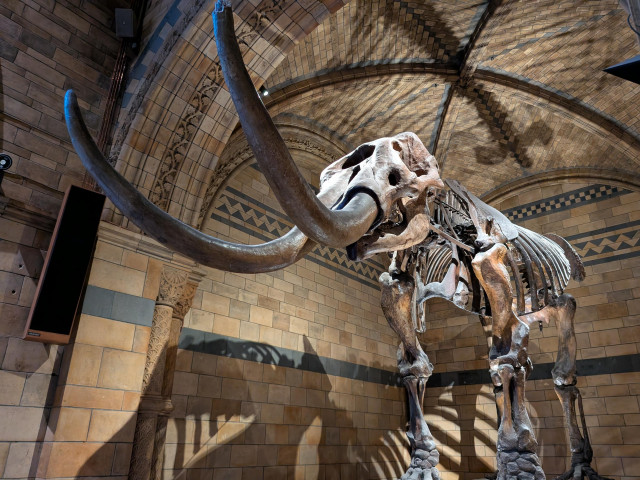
<point>385,196</point>
<point>474,257</point>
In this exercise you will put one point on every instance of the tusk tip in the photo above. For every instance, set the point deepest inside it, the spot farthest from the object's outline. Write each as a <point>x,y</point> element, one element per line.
<point>221,5</point>
<point>70,96</point>
<point>70,103</point>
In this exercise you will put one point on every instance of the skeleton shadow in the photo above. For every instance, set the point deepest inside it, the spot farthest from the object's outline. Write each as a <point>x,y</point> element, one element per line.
<point>443,44</point>
<point>464,421</point>
<point>461,450</point>
<point>506,141</point>
<point>319,439</point>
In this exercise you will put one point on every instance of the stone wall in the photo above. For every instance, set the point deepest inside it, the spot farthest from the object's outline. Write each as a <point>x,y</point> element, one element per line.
<point>46,47</point>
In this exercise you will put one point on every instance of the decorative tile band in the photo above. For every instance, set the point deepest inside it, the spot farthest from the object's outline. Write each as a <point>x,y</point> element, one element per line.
<point>564,201</point>
<point>254,218</point>
<point>602,245</point>
<point>598,246</point>
<point>608,244</point>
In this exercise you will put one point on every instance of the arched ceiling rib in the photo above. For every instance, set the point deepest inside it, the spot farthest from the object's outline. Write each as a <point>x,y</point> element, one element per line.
<point>540,37</point>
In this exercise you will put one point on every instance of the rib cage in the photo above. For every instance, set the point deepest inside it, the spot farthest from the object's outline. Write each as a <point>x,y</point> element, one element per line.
<point>540,267</point>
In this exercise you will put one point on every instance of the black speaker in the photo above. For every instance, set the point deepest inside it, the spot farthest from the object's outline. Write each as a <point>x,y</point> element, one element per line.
<point>65,272</point>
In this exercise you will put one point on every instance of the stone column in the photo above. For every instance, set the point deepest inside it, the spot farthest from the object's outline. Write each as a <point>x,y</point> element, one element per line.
<point>182,306</point>
<point>174,300</point>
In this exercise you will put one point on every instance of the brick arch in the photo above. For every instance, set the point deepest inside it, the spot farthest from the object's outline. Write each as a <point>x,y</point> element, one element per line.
<point>311,147</point>
<point>178,119</point>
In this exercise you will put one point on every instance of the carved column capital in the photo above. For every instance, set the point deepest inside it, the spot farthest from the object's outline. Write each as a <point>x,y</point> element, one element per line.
<point>184,302</point>
<point>172,284</point>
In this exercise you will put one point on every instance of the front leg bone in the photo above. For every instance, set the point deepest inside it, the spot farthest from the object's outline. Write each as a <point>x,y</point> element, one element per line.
<point>398,289</point>
<point>397,295</point>
<point>509,368</point>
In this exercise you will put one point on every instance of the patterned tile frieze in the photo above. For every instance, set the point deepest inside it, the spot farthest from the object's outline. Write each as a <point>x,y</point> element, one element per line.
<point>591,194</point>
<point>608,244</point>
<point>597,246</point>
<point>254,218</point>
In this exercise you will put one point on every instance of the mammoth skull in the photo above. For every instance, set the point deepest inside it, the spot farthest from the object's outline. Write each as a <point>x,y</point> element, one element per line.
<point>400,174</point>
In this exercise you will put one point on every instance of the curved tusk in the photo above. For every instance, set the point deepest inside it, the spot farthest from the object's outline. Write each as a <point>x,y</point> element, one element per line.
<point>329,227</point>
<point>169,231</point>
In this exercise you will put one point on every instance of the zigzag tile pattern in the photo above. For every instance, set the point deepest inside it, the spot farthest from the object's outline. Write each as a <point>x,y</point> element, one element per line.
<point>608,244</point>
<point>263,222</point>
<point>574,198</point>
<point>597,246</point>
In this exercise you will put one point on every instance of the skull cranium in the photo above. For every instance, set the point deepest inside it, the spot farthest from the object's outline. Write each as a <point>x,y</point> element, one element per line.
<point>398,172</point>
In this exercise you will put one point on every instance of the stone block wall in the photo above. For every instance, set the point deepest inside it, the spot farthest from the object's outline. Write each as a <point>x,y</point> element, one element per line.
<point>91,428</point>
<point>46,47</point>
<point>93,413</point>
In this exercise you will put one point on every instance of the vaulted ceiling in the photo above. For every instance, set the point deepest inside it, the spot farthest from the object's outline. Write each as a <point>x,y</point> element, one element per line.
<point>499,91</point>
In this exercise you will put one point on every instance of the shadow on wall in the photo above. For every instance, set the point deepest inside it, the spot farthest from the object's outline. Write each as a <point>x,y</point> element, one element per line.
<point>466,445</point>
<point>463,417</point>
<point>254,429</point>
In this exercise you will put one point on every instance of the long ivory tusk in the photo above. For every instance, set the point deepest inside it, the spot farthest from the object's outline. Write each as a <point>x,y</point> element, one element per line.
<point>328,227</point>
<point>171,232</point>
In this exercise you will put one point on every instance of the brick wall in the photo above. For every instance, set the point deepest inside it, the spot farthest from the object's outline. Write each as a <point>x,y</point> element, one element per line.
<point>286,374</point>
<point>46,47</point>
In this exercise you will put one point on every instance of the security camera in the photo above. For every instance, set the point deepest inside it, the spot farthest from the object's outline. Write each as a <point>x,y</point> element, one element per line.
<point>5,162</point>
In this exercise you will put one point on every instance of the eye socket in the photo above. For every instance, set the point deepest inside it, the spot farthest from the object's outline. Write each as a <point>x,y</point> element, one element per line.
<point>489,225</point>
<point>394,178</point>
<point>396,146</point>
<point>361,153</point>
